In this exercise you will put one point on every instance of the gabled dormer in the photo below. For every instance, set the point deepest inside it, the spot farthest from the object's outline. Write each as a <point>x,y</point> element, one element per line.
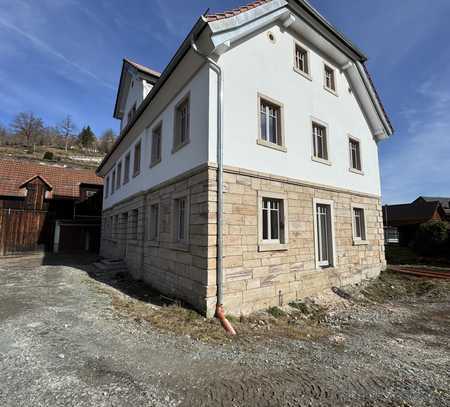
<point>136,81</point>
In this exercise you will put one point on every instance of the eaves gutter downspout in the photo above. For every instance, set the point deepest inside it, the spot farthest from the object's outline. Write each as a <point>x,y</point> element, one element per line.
<point>220,313</point>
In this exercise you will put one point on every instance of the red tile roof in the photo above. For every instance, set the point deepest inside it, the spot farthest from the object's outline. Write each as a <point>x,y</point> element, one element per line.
<point>65,181</point>
<point>236,11</point>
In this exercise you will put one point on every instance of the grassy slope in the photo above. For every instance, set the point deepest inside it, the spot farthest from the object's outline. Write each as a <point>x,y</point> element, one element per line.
<point>60,155</point>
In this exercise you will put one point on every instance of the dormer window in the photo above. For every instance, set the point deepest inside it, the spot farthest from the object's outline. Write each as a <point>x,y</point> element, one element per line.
<point>329,79</point>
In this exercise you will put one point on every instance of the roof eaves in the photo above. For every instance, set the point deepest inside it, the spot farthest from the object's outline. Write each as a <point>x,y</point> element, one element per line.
<point>182,50</point>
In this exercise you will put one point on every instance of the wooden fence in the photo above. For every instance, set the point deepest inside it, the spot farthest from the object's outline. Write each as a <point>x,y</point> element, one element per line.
<point>23,230</point>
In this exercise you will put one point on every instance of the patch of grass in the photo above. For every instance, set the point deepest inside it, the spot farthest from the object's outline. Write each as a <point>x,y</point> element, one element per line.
<point>392,286</point>
<point>276,312</point>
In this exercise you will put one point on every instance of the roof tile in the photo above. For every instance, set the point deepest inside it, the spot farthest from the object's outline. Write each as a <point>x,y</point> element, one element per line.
<point>236,11</point>
<point>65,181</point>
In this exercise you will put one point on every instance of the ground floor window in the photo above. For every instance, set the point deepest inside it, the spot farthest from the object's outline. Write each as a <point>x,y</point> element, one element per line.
<point>153,230</point>
<point>134,224</point>
<point>272,221</point>
<point>359,224</point>
<point>181,219</point>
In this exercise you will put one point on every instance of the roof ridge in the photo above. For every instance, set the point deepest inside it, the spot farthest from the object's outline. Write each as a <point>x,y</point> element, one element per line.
<point>235,11</point>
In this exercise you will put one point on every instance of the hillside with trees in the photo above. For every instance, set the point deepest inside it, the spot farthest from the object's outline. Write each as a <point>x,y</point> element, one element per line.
<point>28,137</point>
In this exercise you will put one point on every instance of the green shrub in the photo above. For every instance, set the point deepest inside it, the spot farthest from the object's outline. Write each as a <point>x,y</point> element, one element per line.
<point>432,238</point>
<point>276,312</point>
<point>48,155</point>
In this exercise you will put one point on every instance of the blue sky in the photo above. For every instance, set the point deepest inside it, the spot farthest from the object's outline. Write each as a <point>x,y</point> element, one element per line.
<point>61,57</point>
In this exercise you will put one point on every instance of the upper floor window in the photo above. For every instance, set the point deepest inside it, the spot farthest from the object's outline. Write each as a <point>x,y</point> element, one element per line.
<point>355,154</point>
<point>156,145</point>
<point>329,78</point>
<point>270,123</point>
<point>320,142</point>
<point>182,120</point>
<point>137,159</point>
<point>126,174</point>
<point>113,181</point>
<point>131,113</point>
<point>301,60</point>
<point>119,174</point>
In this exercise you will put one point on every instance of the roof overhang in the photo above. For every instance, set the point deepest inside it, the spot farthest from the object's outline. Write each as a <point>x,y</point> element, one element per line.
<point>131,70</point>
<point>300,17</point>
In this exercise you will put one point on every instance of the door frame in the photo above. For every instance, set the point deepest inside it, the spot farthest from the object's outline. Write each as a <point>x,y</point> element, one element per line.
<point>333,260</point>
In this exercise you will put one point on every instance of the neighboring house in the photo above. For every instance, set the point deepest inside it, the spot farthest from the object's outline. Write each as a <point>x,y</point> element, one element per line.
<point>444,201</point>
<point>48,207</point>
<point>295,140</point>
<point>404,219</point>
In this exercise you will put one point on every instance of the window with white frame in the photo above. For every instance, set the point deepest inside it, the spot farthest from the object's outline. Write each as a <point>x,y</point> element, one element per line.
<point>270,126</point>
<point>156,145</point>
<point>359,224</point>
<point>119,174</point>
<point>137,159</point>
<point>182,123</point>
<point>320,142</point>
<point>329,78</point>
<point>355,154</point>
<point>153,230</point>
<point>272,220</point>
<point>181,220</point>
<point>113,181</point>
<point>126,173</point>
<point>301,59</point>
<point>324,235</point>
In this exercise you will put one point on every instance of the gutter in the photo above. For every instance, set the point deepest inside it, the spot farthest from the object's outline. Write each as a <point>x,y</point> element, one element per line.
<point>220,313</point>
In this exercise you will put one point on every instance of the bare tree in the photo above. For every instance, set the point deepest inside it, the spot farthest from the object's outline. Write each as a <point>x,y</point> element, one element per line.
<point>26,125</point>
<point>67,129</point>
<point>107,140</point>
<point>3,135</point>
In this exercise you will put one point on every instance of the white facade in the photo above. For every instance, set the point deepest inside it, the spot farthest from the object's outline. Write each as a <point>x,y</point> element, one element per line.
<point>259,65</point>
<point>172,163</point>
<point>254,64</point>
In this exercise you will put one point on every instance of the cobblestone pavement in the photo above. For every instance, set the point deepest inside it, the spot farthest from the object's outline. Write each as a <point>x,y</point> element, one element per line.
<point>63,344</point>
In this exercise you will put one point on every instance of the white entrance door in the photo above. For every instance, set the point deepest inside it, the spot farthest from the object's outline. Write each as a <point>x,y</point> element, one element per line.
<point>324,235</point>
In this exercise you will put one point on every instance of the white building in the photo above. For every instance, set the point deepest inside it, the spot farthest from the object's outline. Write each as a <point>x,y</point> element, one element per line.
<point>246,174</point>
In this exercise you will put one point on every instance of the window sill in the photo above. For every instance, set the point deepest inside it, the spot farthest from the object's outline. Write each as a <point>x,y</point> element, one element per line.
<point>155,163</point>
<point>355,171</point>
<point>304,74</point>
<point>333,92</point>
<point>357,242</point>
<point>320,160</point>
<point>269,247</point>
<point>180,146</point>
<point>136,174</point>
<point>180,246</point>
<point>268,144</point>
<point>153,243</point>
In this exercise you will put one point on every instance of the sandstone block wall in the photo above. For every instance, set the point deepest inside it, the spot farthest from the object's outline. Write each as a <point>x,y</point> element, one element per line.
<point>254,279</point>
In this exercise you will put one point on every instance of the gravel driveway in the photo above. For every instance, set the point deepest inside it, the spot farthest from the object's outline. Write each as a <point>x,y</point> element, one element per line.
<point>62,343</point>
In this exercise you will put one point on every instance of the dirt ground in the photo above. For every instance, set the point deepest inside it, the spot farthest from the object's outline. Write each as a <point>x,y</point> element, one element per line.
<point>70,336</point>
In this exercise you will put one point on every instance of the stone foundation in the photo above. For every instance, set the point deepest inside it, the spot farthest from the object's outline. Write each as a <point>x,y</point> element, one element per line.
<point>254,279</point>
